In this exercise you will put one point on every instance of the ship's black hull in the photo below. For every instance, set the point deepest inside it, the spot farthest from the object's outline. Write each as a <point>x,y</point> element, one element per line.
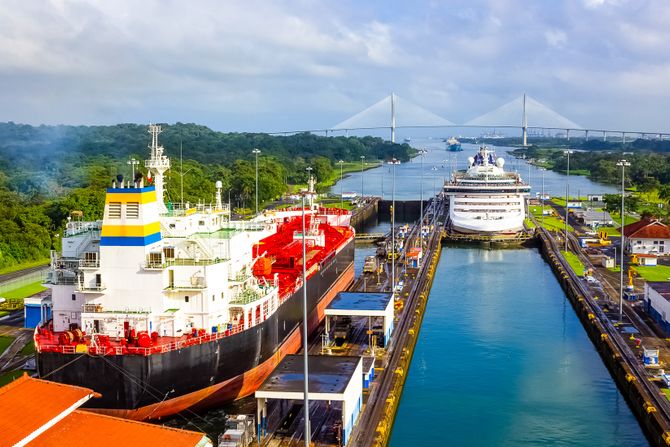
<point>129,382</point>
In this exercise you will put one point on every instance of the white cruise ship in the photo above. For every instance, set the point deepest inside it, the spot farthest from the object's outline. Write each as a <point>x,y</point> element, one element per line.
<point>485,199</point>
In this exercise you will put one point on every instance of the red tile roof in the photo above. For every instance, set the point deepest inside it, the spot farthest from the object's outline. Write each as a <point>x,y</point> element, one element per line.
<point>48,412</point>
<point>27,404</point>
<point>646,229</point>
<point>83,428</point>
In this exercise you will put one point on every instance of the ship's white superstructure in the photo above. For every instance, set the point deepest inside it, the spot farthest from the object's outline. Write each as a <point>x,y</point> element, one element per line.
<point>485,199</point>
<point>162,269</point>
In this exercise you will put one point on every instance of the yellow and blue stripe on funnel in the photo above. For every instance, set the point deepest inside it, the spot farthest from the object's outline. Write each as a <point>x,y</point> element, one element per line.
<point>125,234</point>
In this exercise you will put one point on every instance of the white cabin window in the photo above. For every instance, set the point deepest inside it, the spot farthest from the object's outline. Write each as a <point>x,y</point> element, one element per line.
<point>133,210</point>
<point>114,210</point>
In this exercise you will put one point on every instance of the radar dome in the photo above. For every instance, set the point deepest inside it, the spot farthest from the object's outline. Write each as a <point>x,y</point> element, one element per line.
<point>500,162</point>
<point>219,184</point>
<point>471,160</point>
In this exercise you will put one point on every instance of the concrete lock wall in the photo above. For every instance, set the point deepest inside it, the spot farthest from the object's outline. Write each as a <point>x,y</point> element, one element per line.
<point>655,426</point>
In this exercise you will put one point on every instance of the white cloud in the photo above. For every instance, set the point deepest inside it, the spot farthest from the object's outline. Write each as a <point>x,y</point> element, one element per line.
<point>265,64</point>
<point>556,38</point>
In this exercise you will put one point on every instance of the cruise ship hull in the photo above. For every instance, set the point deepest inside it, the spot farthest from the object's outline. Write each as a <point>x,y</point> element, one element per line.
<point>158,385</point>
<point>471,225</point>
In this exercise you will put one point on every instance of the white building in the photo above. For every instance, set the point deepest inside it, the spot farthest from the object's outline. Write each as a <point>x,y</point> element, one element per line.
<point>647,237</point>
<point>657,302</point>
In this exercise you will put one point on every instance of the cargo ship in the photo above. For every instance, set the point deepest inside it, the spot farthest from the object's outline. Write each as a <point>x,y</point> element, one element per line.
<point>161,307</point>
<point>453,145</point>
<point>485,199</point>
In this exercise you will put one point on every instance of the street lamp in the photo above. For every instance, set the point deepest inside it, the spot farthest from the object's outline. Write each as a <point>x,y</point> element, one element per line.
<point>623,164</point>
<point>567,192</point>
<point>362,164</point>
<point>393,160</point>
<point>422,152</point>
<point>133,162</point>
<point>434,169</point>
<point>542,198</point>
<point>304,326</point>
<point>341,162</point>
<point>256,152</point>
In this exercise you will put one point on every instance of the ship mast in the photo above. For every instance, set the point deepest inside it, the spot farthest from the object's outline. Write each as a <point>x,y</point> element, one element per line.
<point>157,165</point>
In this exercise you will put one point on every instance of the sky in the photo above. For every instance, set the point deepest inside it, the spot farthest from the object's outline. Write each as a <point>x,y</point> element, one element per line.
<point>286,65</point>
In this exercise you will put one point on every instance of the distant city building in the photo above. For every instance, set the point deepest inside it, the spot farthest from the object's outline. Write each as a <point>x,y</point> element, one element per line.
<point>647,237</point>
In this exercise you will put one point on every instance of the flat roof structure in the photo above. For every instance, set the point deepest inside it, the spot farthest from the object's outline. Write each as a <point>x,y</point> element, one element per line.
<point>331,378</point>
<point>363,304</point>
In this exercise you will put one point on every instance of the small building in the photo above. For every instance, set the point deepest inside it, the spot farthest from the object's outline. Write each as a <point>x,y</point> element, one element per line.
<point>607,262</point>
<point>595,197</point>
<point>647,237</point>
<point>646,260</point>
<point>649,356</point>
<point>363,304</point>
<point>414,256</point>
<point>657,303</point>
<point>331,378</point>
<point>40,413</point>
<point>35,310</point>
<point>594,219</point>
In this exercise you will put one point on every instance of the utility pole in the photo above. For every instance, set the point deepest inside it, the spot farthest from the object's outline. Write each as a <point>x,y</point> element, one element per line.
<point>393,160</point>
<point>623,164</point>
<point>567,197</point>
<point>256,152</point>
<point>362,165</point>
<point>305,346</point>
<point>341,162</point>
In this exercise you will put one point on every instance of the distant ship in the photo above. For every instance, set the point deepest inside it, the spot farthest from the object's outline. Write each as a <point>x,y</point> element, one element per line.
<point>485,199</point>
<point>453,145</point>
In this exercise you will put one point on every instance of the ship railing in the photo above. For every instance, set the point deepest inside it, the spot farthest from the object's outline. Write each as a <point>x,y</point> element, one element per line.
<point>156,265</point>
<point>76,227</point>
<point>239,276</point>
<point>245,226</point>
<point>89,263</point>
<point>226,331</point>
<point>98,308</point>
<point>90,288</point>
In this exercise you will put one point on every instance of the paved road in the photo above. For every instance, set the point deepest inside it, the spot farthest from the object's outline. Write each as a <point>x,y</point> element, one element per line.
<point>19,273</point>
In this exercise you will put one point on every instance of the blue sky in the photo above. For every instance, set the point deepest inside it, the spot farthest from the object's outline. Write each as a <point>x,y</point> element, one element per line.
<point>277,65</point>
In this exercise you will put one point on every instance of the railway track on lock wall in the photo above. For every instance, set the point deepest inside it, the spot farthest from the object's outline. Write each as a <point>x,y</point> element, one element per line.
<point>658,400</point>
<point>367,435</point>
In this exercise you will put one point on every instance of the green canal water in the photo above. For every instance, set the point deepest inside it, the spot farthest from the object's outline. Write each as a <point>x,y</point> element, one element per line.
<point>502,360</point>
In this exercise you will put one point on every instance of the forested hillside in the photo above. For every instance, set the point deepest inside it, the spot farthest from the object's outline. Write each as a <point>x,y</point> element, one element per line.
<point>48,171</point>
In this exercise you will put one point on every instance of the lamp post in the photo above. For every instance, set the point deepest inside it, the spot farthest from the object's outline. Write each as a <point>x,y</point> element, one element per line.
<point>305,349</point>
<point>567,192</point>
<point>256,152</point>
<point>393,160</point>
<point>133,162</point>
<point>422,153</point>
<point>623,164</point>
<point>362,165</point>
<point>542,198</point>
<point>341,162</point>
<point>434,169</point>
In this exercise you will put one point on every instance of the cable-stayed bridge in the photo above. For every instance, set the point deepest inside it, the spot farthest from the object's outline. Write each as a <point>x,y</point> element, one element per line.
<point>524,113</point>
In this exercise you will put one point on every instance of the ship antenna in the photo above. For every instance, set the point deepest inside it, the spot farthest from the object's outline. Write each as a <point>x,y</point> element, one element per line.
<point>219,187</point>
<point>157,165</point>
